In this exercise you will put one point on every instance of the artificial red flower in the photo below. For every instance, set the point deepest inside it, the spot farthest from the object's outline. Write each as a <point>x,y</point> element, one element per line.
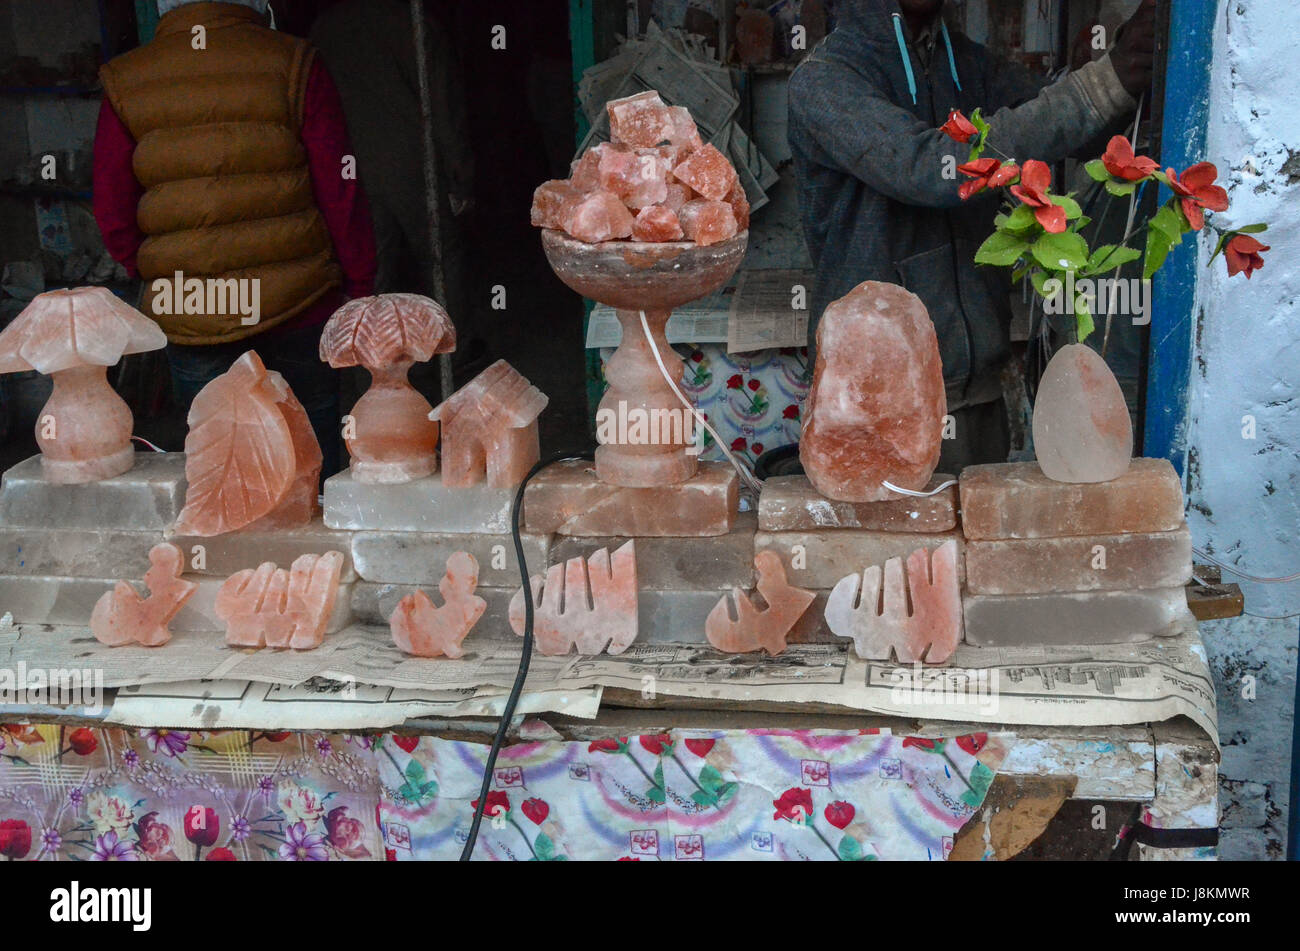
<point>700,747</point>
<point>610,745</point>
<point>498,803</point>
<point>923,743</point>
<point>83,741</point>
<point>1121,162</point>
<point>535,809</point>
<point>222,854</point>
<point>407,743</point>
<point>735,381</point>
<point>840,814</point>
<point>1197,190</point>
<point>986,173</point>
<point>1035,179</point>
<point>791,411</point>
<point>958,127</point>
<point>656,743</point>
<point>795,804</point>
<point>202,825</point>
<point>973,742</point>
<point>15,839</point>
<point>1244,254</point>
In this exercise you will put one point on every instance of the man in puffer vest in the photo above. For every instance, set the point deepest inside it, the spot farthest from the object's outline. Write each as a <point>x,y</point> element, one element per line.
<point>222,155</point>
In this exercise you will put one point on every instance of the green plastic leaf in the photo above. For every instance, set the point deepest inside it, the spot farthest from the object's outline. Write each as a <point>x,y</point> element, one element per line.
<point>1121,189</point>
<point>1082,318</point>
<point>1020,220</point>
<point>1096,170</point>
<point>850,850</point>
<point>1002,249</point>
<point>1158,247</point>
<point>1110,256</point>
<point>1170,222</point>
<point>1040,279</point>
<point>1061,252</point>
<point>1072,209</point>
<point>1258,228</point>
<point>978,121</point>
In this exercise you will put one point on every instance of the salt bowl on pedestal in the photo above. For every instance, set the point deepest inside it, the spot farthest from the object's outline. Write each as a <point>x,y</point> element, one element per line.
<point>654,278</point>
<point>74,336</point>
<point>391,439</point>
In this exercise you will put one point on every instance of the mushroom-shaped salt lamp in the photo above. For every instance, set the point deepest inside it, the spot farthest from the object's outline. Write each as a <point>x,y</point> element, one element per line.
<point>391,438</point>
<point>74,336</point>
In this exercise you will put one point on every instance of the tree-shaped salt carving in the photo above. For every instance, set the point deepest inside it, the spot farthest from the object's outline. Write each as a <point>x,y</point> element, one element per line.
<point>421,629</point>
<point>251,458</point>
<point>757,628</point>
<point>391,438</point>
<point>74,336</point>
<point>583,603</point>
<point>880,620</point>
<point>489,426</point>
<point>121,616</point>
<point>270,607</point>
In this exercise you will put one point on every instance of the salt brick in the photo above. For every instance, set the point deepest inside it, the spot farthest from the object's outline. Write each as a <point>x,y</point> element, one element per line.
<point>419,557</point>
<point>641,120</point>
<point>1070,563</point>
<point>424,505</point>
<point>826,556</point>
<point>707,222</point>
<point>551,202</point>
<point>223,555</point>
<point>600,216</point>
<point>639,179</point>
<point>1016,500</point>
<point>791,504</point>
<point>657,223</point>
<point>708,172</point>
<point>1090,617</point>
<point>568,499</point>
<point>146,497</point>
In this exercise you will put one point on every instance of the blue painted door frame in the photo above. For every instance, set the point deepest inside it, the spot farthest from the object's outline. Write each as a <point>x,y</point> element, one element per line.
<point>1173,317</point>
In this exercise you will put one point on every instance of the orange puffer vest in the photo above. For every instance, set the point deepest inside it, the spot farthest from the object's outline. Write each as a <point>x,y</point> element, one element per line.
<point>217,115</point>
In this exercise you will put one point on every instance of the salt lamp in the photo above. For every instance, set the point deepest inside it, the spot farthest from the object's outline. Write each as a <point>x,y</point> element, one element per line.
<point>73,336</point>
<point>391,438</point>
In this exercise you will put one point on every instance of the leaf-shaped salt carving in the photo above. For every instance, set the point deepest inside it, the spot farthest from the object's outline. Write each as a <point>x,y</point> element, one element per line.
<point>386,329</point>
<point>239,452</point>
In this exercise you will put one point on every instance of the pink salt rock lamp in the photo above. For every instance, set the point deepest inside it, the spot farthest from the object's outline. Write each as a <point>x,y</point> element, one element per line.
<point>489,428</point>
<point>270,607</point>
<point>121,616</point>
<point>420,629</point>
<point>875,413</point>
<point>251,458</point>
<point>73,336</point>
<point>633,277</point>
<point>391,439</point>
<point>1082,429</point>
<point>879,620</point>
<point>757,628</point>
<point>584,603</point>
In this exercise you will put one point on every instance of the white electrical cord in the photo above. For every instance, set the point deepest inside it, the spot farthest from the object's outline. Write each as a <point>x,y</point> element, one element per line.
<point>1241,574</point>
<point>148,443</point>
<point>752,482</point>
<point>918,495</point>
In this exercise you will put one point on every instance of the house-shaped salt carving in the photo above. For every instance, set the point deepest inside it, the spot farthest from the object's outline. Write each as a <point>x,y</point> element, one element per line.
<point>490,426</point>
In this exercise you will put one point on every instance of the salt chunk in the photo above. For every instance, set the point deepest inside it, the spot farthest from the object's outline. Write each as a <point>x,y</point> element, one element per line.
<point>707,222</point>
<point>584,174</point>
<point>551,201</point>
<point>657,223</point>
<point>639,179</point>
<point>685,135</point>
<point>739,205</point>
<point>600,216</point>
<point>678,195</point>
<point>708,172</point>
<point>640,120</point>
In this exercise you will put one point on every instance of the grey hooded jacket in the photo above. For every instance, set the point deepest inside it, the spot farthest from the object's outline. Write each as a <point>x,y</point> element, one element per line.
<point>875,200</point>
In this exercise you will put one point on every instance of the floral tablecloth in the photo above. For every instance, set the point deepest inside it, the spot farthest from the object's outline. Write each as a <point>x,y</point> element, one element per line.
<point>132,795</point>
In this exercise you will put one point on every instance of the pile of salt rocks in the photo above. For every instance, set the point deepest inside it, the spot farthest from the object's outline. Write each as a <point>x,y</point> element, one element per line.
<point>656,181</point>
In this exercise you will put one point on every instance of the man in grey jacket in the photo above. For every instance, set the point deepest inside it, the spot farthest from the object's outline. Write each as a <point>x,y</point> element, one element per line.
<point>877,189</point>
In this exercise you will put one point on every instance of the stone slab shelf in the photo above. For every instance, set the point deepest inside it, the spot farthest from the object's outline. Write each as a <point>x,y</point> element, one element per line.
<point>422,505</point>
<point>791,504</point>
<point>147,497</point>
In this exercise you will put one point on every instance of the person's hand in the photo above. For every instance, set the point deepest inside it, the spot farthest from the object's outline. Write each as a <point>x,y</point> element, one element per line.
<point>1134,53</point>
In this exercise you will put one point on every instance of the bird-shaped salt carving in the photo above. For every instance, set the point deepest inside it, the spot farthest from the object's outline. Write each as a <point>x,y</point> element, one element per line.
<point>121,616</point>
<point>759,628</point>
<point>584,603</point>
<point>271,607</point>
<point>918,617</point>
<point>421,629</point>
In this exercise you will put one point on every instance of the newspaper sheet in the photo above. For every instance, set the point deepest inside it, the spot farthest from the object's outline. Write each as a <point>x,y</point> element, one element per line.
<point>763,313</point>
<point>1061,686</point>
<point>321,704</point>
<point>703,321</point>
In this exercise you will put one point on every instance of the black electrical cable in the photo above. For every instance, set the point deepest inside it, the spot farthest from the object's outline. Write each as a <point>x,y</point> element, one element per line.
<point>525,655</point>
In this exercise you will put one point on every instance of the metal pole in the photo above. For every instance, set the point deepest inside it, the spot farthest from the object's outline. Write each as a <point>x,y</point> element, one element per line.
<point>430,177</point>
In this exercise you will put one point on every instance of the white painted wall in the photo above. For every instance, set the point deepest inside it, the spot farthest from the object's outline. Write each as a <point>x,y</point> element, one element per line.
<point>1244,494</point>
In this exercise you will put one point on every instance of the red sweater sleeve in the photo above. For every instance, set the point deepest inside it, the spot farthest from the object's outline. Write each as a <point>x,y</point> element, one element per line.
<point>342,201</point>
<point>116,193</point>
